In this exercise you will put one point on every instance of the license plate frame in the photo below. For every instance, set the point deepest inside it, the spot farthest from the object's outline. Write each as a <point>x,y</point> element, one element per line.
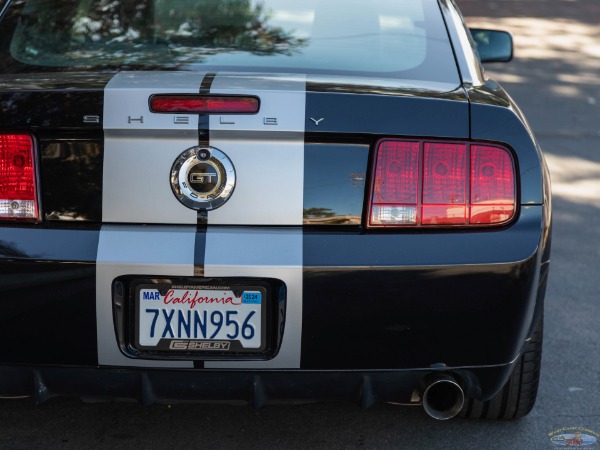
<point>195,346</point>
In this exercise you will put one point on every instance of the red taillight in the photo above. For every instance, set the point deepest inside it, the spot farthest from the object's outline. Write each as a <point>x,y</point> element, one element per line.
<point>204,104</point>
<point>492,185</point>
<point>18,189</point>
<point>419,183</point>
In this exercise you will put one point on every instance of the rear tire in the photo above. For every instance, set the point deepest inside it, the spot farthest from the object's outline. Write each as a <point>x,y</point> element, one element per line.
<point>517,397</point>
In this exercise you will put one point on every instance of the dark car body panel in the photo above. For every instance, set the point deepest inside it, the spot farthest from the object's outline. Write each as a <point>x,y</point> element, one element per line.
<point>432,114</point>
<point>435,299</point>
<point>48,278</point>
<point>52,101</point>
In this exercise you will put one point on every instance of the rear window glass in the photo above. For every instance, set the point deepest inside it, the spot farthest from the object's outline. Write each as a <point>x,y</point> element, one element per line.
<point>392,38</point>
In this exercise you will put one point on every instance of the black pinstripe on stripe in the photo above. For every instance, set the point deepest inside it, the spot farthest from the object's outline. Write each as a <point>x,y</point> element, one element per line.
<point>204,119</point>
<point>204,136</point>
<point>203,141</point>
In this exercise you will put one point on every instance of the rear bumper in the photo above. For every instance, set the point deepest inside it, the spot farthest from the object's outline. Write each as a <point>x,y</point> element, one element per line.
<point>372,306</point>
<point>255,388</point>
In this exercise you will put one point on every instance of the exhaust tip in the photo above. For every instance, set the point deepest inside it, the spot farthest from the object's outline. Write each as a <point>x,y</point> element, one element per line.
<point>443,398</point>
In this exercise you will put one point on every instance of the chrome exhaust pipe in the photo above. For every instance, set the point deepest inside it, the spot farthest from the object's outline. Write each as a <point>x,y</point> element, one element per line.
<point>443,397</point>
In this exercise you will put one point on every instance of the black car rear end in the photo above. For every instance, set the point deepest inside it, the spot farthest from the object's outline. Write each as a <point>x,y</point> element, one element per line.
<point>391,222</point>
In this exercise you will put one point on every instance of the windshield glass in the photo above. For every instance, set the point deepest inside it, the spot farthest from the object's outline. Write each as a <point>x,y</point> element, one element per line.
<point>389,38</point>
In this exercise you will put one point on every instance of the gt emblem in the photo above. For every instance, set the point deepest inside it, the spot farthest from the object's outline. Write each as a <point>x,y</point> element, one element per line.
<point>202,178</point>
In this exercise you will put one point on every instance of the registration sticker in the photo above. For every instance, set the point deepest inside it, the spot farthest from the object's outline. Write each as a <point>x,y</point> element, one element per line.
<point>252,298</point>
<point>200,318</point>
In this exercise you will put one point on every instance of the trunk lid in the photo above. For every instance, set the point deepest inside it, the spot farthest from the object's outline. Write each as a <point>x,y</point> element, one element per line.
<point>302,159</point>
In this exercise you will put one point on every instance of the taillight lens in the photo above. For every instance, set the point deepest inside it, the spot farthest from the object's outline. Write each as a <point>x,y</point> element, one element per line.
<point>419,183</point>
<point>204,104</point>
<point>18,187</point>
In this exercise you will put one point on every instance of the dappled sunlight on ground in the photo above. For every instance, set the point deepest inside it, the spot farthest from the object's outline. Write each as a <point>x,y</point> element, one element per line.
<point>552,39</point>
<point>555,39</point>
<point>575,179</point>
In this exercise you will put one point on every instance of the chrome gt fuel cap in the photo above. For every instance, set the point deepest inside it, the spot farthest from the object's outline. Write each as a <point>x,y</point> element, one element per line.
<point>202,178</point>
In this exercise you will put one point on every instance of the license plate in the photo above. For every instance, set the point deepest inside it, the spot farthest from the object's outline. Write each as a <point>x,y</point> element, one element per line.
<point>200,318</point>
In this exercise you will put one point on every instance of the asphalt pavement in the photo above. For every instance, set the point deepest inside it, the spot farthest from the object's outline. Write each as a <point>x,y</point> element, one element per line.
<point>556,80</point>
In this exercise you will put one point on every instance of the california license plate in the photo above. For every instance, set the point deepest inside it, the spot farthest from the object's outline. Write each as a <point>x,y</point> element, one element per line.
<point>200,318</point>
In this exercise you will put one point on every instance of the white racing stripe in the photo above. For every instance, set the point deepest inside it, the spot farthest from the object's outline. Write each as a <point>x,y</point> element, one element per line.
<point>262,253</point>
<point>131,250</point>
<point>139,150</point>
<point>267,150</point>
